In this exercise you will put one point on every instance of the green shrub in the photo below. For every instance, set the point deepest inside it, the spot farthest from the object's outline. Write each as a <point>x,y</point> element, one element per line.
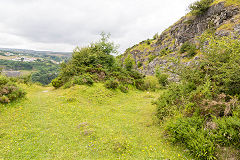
<point>139,64</point>
<point>222,56</point>
<point>123,88</point>
<point>129,62</point>
<point>4,99</point>
<point>111,84</point>
<point>227,132</point>
<point>135,74</point>
<point>3,80</point>
<point>9,90</point>
<point>148,41</point>
<point>95,63</point>
<point>189,48</point>
<point>57,82</point>
<point>191,133</point>
<point>83,79</point>
<point>200,7</point>
<point>207,89</point>
<point>139,83</point>
<point>68,84</point>
<point>151,58</point>
<point>166,103</point>
<point>155,36</point>
<point>202,140</point>
<point>165,51</point>
<point>162,78</point>
<point>151,83</point>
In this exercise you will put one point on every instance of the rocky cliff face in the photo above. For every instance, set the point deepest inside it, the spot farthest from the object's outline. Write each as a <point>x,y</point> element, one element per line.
<point>149,54</point>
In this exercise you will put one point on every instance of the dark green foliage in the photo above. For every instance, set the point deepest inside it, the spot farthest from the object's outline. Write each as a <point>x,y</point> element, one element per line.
<point>96,64</point>
<point>57,82</point>
<point>148,42</point>
<point>9,90</point>
<point>139,64</point>
<point>200,7</point>
<point>188,48</point>
<point>165,51</point>
<point>68,84</point>
<point>151,58</point>
<point>208,88</point>
<point>227,132</point>
<point>155,36</point>
<point>45,71</point>
<point>139,83</point>
<point>44,76</point>
<point>129,63</point>
<point>123,88</point>
<point>83,79</point>
<point>162,78</point>
<point>190,132</point>
<point>111,84</point>
<point>202,139</point>
<point>169,101</point>
<point>15,65</point>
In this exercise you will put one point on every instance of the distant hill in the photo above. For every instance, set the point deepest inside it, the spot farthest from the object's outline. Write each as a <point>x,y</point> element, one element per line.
<point>33,52</point>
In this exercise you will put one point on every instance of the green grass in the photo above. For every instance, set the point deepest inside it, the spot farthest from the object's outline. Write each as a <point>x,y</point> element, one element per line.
<point>83,123</point>
<point>228,2</point>
<point>143,46</point>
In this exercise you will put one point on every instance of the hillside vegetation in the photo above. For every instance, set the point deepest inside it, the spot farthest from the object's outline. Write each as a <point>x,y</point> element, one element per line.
<point>9,90</point>
<point>101,107</point>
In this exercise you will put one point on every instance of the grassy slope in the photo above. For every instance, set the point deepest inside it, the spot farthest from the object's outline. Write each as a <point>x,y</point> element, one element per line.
<point>82,123</point>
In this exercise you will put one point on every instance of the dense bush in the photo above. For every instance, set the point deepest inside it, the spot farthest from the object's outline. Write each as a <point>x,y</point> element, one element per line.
<point>123,88</point>
<point>83,79</point>
<point>207,99</point>
<point>44,76</point>
<point>139,64</point>
<point>9,90</point>
<point>221,61</point>
<point>190,132</point>
<point>188,48</point>
<point>57,82</point>
<point>227,131</point>
<point>162,78</point>
<point>200,6</point>
<point>151,83</point>
<point>111,84</point>
<point>139,83</point>
<point>129,62</point>
<point>96,64</point>
<point>202,137</point>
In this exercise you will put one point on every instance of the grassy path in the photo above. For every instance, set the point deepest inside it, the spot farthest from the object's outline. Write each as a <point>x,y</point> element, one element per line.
<point>82,123</point>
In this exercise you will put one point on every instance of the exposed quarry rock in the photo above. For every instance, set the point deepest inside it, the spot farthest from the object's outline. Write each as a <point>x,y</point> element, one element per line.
<point>186,29</point>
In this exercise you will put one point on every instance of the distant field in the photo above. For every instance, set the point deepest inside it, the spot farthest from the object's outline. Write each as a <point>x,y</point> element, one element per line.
<point>7,57</point>
<point>83,123</point>
<point>26,72</point>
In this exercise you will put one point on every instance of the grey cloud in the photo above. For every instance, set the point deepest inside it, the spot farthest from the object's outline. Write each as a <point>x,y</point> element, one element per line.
<point>39,23</point>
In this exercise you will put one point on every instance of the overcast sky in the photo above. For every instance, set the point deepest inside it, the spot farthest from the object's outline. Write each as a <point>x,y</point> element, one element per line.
<point>61,25</point>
